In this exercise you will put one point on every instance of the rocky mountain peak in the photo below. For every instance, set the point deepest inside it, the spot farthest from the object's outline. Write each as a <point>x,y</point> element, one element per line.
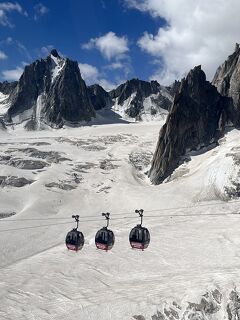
<point>227,82</point>
<point>7,87</point>
<point>54,53</point>
<point>50,91</point>
<point>99,97</point>
<point>141,99</point>
<point>196,119</point>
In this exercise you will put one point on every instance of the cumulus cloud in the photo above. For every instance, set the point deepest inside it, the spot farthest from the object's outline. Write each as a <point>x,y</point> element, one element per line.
<point>13,74</point>
<point>107,85</point>
<point>196,32</point>
<point>89,73</point>
<point>40,10</point>
<point>46,49</point>
<point>110,45</point>
<point>3,55</point>
<point>5,9</point>
<point>92,75</point>
<point>115,66</point>
<point>20,47</point>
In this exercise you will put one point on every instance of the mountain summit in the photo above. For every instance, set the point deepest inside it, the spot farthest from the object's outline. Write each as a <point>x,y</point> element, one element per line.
<point>50,91</point>
<point>141,99</point>
<point>196,119</point>
<point>227,81</point>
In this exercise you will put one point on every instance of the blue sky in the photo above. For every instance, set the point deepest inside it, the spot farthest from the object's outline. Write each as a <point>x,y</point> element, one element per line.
<point>67,26</point>
<point>116,40</point>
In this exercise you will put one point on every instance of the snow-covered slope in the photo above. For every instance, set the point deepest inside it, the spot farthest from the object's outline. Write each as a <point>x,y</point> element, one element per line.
<point>47,176</point>
<point>137,100</point>
<point>58,64</point>
<point>150,108</point>
<point>4,104</point>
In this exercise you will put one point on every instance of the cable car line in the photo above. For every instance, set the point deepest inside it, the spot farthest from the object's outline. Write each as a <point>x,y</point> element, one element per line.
<point>127,213</point>
<point>33,227</point>
<point>125,217</point>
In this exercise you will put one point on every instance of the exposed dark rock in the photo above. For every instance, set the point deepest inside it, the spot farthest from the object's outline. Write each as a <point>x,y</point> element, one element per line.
<point>158,316</point>
<point>227,78</point>
<point>197,119</point>
<point>55,53</point>
<point>99,97</point>
<point>63,185</point>
<point>227,81</point>
<point>140,159</point>
<point>49,156</point>
<point>23,163</point>
<point>13,181</point>
<point>233,306</point>
<point>174,88</point>
<point>135,91</point>
<point>68,99</point>
<point>217,295</point>
<point>142,88</point>
<point>31,125</point>
<point>139,317</point>
<point>2,125</point>
<point>4,215</point>
<point>211,306</point>
<point>7,87</point>
<point>107,165</point>
<point>52,91</point>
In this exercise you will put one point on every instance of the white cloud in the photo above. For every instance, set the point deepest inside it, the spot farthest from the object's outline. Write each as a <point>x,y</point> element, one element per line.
<point>196,32</point>
<point>46,50</point>
<point>40,10</point>
<point>115,66</point>
<point>3,55</point>
<point>110,45</point>
<point>19,46</point>
<point>92,75</point>
<point>6,8</point>
<point>89,73</point>
<point>107,85</point>
<point>13,74</point>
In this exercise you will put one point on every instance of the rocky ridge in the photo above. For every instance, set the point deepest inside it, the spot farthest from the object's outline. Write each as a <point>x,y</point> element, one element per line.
<point>227,82</point>
<point>50,91</point>
<point>197,118</point>
<point>99,97</point>
<point>136,98</point>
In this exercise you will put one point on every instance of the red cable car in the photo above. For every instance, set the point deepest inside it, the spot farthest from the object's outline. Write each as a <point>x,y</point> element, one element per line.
<point>75,238</point>
<point>139,236</point>
<point>105,238</point>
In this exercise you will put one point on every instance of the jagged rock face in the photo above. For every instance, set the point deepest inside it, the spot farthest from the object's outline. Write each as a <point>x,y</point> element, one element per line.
<point>2,125</point>
<point>214,304</point>
<point>52,91</point>
<point>7,87</point>
<point>34,80</point>
<point>68,99</point>
<point>174,88</point>
<point>136,97</point>
<point>99,97</point>
<point>125,90</point>
<point>196,119</point>
<point>227,81</point>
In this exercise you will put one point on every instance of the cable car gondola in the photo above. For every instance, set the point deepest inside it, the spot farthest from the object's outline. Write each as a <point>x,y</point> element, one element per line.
<point>75,238</point>
<point>139,236</point>
<point>105,238</point>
